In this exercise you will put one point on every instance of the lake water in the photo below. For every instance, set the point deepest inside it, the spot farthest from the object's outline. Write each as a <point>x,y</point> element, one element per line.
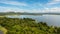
<point>49,19</point>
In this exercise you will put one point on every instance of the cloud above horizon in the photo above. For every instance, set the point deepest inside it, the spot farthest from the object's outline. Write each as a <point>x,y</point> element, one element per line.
<point>32,6</point>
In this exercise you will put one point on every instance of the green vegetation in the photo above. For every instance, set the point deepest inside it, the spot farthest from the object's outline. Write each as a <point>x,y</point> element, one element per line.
<point>3,29</point>
<point>26,26</point>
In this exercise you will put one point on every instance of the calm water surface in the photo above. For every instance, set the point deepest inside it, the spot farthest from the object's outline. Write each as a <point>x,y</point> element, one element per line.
<point>49,19</point>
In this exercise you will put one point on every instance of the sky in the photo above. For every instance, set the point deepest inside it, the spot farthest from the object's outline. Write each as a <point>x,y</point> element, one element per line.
<point>31,6</point>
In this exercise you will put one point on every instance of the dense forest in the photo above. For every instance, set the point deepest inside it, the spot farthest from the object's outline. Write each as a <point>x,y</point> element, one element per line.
<point>26,26</point>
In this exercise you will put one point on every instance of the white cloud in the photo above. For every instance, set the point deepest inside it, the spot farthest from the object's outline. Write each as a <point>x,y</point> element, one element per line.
<point>14,3</point>
<point>54,10</point>
<point>53,2</point>
<point>56,0</point>
<point>9,9</point>
<point>46,10</point>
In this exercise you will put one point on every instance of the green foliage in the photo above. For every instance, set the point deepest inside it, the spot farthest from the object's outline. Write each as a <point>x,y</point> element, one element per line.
<point>27,26</point>
<point>4,30</point>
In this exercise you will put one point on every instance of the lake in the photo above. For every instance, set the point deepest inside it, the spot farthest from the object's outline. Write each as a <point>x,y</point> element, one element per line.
<point>53,20</point>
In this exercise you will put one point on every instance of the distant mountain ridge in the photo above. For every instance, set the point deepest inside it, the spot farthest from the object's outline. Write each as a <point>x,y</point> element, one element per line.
<point>25,13</point>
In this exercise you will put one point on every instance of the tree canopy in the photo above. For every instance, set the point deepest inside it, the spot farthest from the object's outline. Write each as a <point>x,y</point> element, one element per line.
<point>27,26</point>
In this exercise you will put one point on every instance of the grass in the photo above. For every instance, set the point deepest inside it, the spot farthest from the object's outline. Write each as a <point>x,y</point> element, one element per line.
<point>3,29</point>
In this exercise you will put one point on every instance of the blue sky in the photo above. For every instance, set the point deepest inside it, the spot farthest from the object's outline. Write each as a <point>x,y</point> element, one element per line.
<point>32,6</point>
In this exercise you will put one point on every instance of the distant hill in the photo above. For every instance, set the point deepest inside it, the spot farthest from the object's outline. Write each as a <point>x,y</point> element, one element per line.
<point>19,13</point>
